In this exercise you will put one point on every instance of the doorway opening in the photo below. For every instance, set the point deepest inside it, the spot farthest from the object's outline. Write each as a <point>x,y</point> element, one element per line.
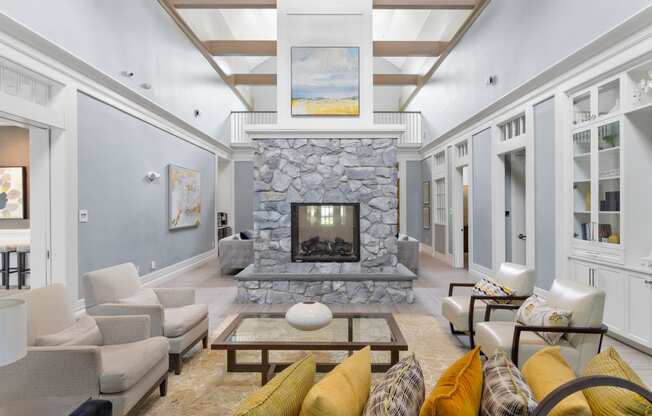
<point>24,206</point>
<point>461,222</point>
<point>515,207</point>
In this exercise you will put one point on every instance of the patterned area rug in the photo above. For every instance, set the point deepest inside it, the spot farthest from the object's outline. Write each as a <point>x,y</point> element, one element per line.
<point>205,388</point>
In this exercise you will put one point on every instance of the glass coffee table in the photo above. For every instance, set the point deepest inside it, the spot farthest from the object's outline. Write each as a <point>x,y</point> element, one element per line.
<point>348,332</point>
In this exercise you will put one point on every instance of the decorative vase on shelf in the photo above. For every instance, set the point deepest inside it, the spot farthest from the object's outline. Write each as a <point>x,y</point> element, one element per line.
<point>309,316</point>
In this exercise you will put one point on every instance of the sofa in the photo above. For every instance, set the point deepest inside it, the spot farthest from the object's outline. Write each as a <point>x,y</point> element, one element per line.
<point>173,312</point>
<point>408,252</point>
<point>110,358</point>
<point>235,253</point>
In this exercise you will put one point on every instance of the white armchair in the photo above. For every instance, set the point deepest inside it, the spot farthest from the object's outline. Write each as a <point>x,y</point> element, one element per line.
<point>120,362</point>
<point>583,337</point>
<point>456,309</point>
<point>173,313</point>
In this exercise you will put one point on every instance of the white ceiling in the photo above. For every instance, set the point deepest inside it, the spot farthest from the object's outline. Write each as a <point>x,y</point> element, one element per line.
<point>260,24</point>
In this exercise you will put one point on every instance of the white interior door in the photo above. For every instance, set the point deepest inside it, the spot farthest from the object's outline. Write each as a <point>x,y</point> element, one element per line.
<point>458,218</point>
<point>39,182</point>
<point>517,211</point>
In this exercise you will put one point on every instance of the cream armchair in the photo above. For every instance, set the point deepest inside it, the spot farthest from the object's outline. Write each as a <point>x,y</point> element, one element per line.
<point>456,309</point>
<point>124,366</point>
<point>583,337</point>
<point>173,312</point>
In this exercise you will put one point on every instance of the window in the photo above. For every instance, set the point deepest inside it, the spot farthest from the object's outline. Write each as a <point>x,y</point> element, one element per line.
<point>326,215</point>
<point>440,159</point>
<point>512,128</point>
<point>462,149</point>
<point>440,201</point>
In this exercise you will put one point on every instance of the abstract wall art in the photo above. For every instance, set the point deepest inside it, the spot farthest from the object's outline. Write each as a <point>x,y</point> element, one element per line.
<point>184,197</point>
<point>12,193</point>
<point>325,81</point>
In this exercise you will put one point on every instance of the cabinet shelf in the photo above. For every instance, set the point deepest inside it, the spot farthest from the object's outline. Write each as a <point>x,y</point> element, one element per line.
<point>610,212</point>
<point>582,155</point>
<point>609,149</point>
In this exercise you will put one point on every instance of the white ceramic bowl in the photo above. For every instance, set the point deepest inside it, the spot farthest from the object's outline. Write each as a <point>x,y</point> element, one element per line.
<point>309,316</point>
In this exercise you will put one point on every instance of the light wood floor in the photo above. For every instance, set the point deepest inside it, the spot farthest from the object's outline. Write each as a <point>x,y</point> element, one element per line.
<point>219,292</point>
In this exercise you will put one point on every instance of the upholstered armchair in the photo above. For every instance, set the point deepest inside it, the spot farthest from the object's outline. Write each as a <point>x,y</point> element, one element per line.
<point>456,309</point>
<point>582,339</point>
<point>111,358</point>
<point>172,311</point>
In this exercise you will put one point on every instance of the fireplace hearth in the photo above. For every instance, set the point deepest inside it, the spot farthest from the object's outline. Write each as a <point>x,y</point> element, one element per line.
<point>325,232</point>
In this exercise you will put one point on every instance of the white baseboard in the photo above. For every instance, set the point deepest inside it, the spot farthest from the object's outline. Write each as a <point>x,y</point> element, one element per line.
<point>163,275</point>
<point>425,248</point>
<point>446,258</point>
<point>480,270</point>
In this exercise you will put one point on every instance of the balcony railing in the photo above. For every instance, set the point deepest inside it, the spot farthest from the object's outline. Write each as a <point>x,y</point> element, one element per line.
<point>410,119</point>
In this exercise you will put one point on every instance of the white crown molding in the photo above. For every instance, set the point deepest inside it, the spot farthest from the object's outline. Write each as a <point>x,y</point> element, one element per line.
<point>274,131</point>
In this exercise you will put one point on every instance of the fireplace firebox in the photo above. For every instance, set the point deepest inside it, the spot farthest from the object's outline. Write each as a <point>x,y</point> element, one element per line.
<point>325,232</point>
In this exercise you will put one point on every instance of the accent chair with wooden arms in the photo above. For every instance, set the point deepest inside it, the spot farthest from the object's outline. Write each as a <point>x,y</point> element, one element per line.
<point>173,312</point>
<point>110,358</point>
<point>456,308</point>
<point>583,337</point>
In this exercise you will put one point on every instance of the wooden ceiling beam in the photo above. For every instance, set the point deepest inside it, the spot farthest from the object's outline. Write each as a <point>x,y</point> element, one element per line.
<point>408,48</point>
<point>224,4</point>
<point>268,48</point>
<point>477,10</point>
<point>397,79</point>
<point>192,37</point>
<point>241,47</point>
<point>377,4</point>
<point>270,79</point>
<point>425,4</point>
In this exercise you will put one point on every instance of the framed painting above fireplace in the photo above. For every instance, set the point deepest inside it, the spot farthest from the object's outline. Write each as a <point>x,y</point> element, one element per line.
<point>325,232</point>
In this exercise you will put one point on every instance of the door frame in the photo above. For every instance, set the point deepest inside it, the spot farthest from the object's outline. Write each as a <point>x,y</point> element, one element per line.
<point>457,196</point>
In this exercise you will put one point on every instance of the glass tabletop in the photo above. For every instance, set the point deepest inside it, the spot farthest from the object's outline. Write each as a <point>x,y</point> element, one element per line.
<point>273,328</point>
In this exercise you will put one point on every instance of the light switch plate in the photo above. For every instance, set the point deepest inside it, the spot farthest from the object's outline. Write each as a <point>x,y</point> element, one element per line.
<point>83,215</point>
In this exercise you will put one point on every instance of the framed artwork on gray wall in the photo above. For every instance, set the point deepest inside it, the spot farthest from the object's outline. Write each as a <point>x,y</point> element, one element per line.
<point>184,197</point>
<point>426,217</point>
<point>12,193</point>
<point>425,191</point>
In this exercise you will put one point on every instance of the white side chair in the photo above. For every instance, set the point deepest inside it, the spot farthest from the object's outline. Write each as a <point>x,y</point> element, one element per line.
<point>583,338</point>
<point>65,357</point>
<point>456,309</point>
<point>175,316</point>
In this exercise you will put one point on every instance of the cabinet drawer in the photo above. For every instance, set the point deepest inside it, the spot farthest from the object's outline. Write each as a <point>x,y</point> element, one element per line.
<point>615,256</point>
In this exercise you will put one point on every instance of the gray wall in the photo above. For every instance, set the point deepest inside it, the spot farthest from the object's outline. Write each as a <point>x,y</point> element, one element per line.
<point>426,175</point>
<point>243,216</point>
<point>413,203</point>
<point>128,216</point>
<point>544,197</point>
<point>138,36</point>
<point>440,239</point>
<point>515,40</point>
<point>481,190</point>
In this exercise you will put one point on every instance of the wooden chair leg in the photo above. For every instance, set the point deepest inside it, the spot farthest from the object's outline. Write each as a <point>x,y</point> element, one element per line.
<point>204,342</point>
<point>163,387</point>
<point>176,363</point>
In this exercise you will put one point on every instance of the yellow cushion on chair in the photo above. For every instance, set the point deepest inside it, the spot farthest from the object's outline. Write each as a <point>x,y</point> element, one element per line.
<point>545,371</point>
<point>614,401</point>
<point>283,395</point>
<point>459,390</point>
<point>344,391</point>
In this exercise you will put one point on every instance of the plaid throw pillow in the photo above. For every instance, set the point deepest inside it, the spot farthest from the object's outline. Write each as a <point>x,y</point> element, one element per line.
<point>505,392</point>
<point>489,287</point>
<point>401,391</point>
<point>535,311</point>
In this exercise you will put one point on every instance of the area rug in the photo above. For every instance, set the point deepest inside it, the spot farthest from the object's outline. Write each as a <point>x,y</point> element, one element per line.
<point>205,388</point>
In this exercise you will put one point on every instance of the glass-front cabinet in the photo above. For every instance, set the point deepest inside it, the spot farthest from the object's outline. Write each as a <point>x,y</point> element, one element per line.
<point>598,102</point>
<point>597,158</point>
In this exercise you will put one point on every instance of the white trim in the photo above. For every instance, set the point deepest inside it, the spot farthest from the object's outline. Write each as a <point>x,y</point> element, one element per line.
<point>443,257</point>
<point>165,274</point>
<point>481,270</point>
<point>425,248</point>
<point>375,131</point>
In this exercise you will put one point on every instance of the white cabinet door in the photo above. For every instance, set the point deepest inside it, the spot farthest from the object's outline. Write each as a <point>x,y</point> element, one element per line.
<point>614,284</point>
<point>639,309</point>
<point>582,272</point>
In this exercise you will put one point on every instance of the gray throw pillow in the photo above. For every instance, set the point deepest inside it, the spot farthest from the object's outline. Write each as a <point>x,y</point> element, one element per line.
<point>401,392</point>
<point>505,393</point>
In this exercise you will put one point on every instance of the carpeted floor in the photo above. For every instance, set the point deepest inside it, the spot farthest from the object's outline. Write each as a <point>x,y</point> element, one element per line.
<point>205,388</point>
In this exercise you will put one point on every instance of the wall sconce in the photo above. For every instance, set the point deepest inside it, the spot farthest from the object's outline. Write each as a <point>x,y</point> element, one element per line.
<point>492,80</point>
<point>127,74</point>
<point>152,176</point>
<point>197,113</point>
<point>146,86</point>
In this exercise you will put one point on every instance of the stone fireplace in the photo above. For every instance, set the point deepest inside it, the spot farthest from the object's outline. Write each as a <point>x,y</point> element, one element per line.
<point>325,223</point>
<point>325,232</point>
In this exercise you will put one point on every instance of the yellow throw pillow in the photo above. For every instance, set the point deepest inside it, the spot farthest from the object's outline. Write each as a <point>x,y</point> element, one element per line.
<point>459,390</point>
<point>545,371</point>
<point>614,401</point>
<point>283,395</point>
<point>344,391</point>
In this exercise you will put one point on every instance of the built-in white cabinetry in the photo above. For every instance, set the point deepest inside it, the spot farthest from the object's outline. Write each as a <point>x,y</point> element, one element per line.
<point>610,151</point>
